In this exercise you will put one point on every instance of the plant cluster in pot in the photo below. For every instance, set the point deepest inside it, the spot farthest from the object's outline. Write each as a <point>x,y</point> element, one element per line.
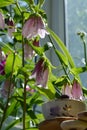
<point>68,104</point>
<point>70,93</point>
<point>64,108</point>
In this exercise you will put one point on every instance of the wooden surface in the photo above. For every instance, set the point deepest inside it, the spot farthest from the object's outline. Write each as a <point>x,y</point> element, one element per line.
<point>53,124</point>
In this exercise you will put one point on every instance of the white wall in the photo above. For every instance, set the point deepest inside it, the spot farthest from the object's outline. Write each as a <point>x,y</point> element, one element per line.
<point>55,13</point>
<point>56,18</point>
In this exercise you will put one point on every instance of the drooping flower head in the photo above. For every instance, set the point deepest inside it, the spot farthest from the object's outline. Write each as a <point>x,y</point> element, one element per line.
<point>2,66</point>
<point>2,22</point>
<point>7,88</point>
<point>34,27</point>
<point>40,73</point>
<point>74,91</point>
<point>10,26</point>
<point>2,62</point>
<point>66,90</point>
<point>77,92</point>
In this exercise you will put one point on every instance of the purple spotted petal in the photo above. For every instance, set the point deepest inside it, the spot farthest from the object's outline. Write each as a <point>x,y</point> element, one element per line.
<point>2,66</point>
<point>77,90</point>
<point>10,27</point>
<point>67,90</point>
<point>40,73</point>
<point>7,88</point>
<point>42,77</point>
<point>33,27</point>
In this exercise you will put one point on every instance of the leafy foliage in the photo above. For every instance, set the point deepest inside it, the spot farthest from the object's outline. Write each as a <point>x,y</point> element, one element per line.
<point>28,79</point>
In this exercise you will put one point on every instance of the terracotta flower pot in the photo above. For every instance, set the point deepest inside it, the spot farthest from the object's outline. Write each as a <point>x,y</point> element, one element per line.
<point>62,107</point>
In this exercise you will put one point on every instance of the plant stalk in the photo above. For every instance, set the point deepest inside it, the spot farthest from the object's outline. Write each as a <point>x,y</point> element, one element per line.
<point>24,106</point>
<point>25,83</point>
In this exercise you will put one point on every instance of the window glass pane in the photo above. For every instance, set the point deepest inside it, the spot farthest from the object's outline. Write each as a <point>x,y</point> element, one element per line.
<point>76,19</point>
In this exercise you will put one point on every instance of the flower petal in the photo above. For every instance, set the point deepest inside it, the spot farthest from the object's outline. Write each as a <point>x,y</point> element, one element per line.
<point>77,90</point>
<point>33,27</point>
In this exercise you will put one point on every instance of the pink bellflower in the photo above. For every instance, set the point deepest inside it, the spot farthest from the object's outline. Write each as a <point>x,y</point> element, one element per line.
<point>2,22</point>
<point>40,73</point>
<point>7,88</point>
<point>66,90</point>
<point>2,66</point>
<point>77,92</point>
<point>10,27</point>
<point>74,91</point>
<point>34,27</point>
<point>2,62</point>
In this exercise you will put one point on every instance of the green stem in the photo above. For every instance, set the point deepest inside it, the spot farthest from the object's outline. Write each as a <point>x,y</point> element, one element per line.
<point>24,106</point>
<point>60,61</point>
<point>22,41</point>
<point>22,52</point>
<point>16,3</point>
<point>85,51</point>
<point>82,35</point>
<point>24,94</point>
<point>25,83</point>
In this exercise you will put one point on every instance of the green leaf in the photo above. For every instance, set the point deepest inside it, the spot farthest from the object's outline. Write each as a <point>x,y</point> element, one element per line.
<point>18,36</point>
<point>38,101</point>
<point>34,99</point>
<point>10,109</point>
<point>78,70</point>
<point>13,62</point>
<point>31,2</point>
<point>4,3</point>
<point>31,114</point>
<point>2,78</point>
<point>13,123</point>
<point>52,78</point>
<point>62,47</point>
<point>38,50</point>
<point>47,93</point>
<point>51,87</point>
<point>63,59</point>
<point>84,91</point>
<point>41,2</point>
<point>41,50</point>
<point>6,48</point>
<point>61,80</point>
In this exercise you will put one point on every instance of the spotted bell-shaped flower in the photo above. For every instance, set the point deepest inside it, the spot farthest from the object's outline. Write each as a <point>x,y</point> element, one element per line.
<point>40,73</point>
<point>2,66</point>
<point>7,87</point>
<point>77,92</point>
<point>10,27</point>
<point>34,27</point>
<point>2,62</point>
<point>66,90</point>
